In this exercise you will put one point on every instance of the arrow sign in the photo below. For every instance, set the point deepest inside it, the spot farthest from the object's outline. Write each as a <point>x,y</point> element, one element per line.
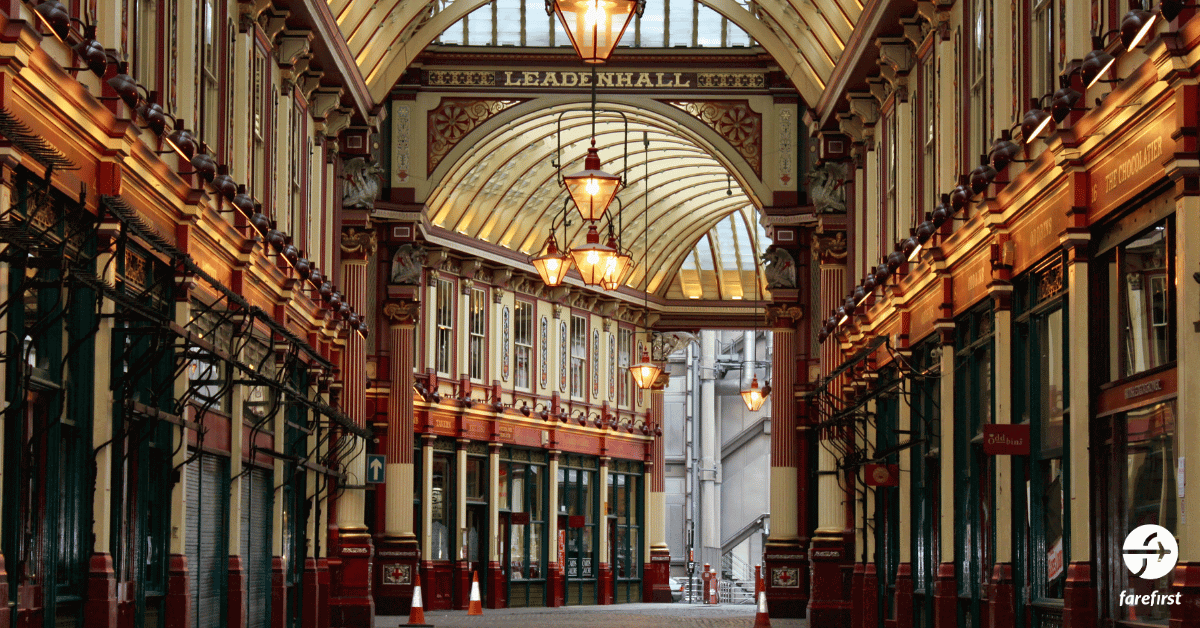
<point>375,468</point>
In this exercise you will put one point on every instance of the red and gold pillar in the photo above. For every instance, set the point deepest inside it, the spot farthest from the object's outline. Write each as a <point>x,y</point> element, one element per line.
<point>657,573</point>
<point>397,550</point>
<point>351,556</point>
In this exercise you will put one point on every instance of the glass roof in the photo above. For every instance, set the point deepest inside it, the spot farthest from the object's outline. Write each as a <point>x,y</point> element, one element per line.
<point>665,24</point>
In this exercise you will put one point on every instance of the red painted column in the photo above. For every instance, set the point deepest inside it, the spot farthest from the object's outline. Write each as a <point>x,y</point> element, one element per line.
<point>1002,602</point>
<point>397,551</point>
<point>785,558</point>
<point>351,548</point>
<point>945,597</point>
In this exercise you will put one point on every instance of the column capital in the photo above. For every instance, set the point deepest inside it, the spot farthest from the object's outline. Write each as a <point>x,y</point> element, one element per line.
<point>402,312</point>
<point>358,243</point>
<point>784,316</point>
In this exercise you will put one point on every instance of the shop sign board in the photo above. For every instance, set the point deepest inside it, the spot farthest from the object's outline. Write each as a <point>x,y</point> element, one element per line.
<point>1002,439</point>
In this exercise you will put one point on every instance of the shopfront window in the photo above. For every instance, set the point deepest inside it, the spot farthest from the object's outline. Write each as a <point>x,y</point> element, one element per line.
<point>442,507</point>
<point>579,355</point>
<point>523,341</point>
<point>1141,483</point>
<point>1142,310</point>
<point>924,417</point>
<point>974,504</point>
<point>1041,400</point>
<point>625,516</point>
<point>577,505</point>
<point>522,502</point>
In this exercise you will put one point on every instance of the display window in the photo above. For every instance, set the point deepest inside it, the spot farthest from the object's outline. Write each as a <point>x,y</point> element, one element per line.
<point>1041,400</point>
<point>974,383</point>
<point>522,503</point>
<point>624,529</point>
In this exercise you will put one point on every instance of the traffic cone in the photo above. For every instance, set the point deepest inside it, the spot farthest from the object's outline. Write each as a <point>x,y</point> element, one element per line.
<point>416,616</point>
<point>761,619</point>
<point>475,607</point>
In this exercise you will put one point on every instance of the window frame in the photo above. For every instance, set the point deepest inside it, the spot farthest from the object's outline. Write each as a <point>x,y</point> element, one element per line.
<point>443,320</point>
<point>528,346</point>
<point>578,339</point>
<point>477,320</point>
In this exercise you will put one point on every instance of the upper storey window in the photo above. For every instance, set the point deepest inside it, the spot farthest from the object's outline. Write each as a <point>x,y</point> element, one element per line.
<point>665,24</point>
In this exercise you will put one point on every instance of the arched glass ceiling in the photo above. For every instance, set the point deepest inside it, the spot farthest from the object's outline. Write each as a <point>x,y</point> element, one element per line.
<point>503,189</point>
<point>665,24</point>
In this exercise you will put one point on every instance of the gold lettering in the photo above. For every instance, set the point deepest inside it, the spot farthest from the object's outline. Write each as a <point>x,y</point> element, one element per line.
<point>625,79</point>
<point>604,80</point>
<point>508,79</point>
<point>551,79</point>
<point>570,79</point>
<point>585,79</point>
<point>530,78</point>
<point>643,80</point>
<point>679,82</point>
<point>659,76</point>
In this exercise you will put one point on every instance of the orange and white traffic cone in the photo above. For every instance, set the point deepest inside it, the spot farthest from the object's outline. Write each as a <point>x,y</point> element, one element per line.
<point>475,607</point>
<point>416,616</point>
<point>761,619</point>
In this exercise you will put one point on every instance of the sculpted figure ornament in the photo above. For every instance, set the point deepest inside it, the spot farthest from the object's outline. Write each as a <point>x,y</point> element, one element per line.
<point>780,268</point>
<point>666,343</point>
<point>364,179</point>
<point>408,263</point>
<point>825,188</point>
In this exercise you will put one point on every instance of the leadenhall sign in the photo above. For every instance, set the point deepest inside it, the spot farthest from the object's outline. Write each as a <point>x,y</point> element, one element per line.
<point>615,80</point>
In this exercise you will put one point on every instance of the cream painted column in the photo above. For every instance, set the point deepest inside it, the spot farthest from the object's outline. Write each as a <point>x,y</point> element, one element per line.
<point>102,406</point>
<point>1002,495</point>
<point>552,513</point>
<point>656,482</point>
<point>946,445</point>
<point>905,175</point>
<point>1187,424</point>
<point>494,503</point>
<point>1079,480</point>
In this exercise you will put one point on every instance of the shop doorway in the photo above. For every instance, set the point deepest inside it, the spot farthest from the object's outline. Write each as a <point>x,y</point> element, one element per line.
<point>477,545</point>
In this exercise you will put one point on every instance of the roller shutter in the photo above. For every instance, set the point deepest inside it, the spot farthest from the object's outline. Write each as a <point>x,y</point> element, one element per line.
<point>207,553</point>
<point>256,546</point>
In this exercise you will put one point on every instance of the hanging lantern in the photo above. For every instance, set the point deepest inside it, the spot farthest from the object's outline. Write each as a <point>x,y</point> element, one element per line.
<point>592,259</point>
<point>592,189</point>
<point>617,268</point>
<point>754,396</point>
<point>553,264</point>
<point>595,26</point>
<point>645,372</point>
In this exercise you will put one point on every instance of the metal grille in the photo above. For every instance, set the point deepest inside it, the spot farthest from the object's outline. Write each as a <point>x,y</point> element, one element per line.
<point>206,553</point>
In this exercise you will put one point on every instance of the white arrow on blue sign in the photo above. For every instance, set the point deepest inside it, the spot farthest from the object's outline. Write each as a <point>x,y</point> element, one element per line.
<point>375,468</point>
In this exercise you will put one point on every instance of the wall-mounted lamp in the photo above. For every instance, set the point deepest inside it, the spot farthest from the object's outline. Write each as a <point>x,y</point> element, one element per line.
<point>1035,121</point>
<point>1095,63</point>
<point>1135,26</point>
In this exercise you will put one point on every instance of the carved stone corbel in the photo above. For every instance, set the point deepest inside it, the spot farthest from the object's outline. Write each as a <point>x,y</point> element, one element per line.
<point>937,13</point>
<point>310,81</point>
<point>291,45</point>
<point>358,242</point>
<point>272,21</point>
<point>336,121</point>
<point>916,28</point>
<point>851,125</point>
<point>880,88</point>
<point>323,100</point>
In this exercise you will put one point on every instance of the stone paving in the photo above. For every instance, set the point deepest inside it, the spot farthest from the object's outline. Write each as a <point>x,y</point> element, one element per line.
<point>616,616</point>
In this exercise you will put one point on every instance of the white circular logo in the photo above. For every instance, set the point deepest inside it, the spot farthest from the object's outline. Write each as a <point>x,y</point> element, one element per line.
<point>1150,552</point>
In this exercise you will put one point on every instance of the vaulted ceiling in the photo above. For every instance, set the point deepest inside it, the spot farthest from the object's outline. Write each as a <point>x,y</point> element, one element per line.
<point>805,37</point>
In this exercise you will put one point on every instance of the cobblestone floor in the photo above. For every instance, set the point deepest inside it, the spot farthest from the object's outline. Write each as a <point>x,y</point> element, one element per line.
<point>618,616</point>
